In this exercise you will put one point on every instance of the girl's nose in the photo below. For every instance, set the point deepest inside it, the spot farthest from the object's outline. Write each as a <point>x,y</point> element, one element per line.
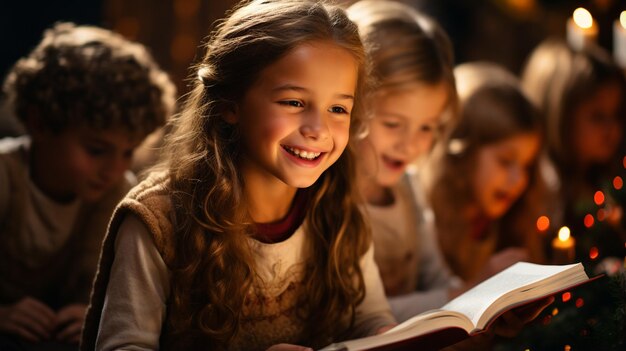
<point>314,125</point>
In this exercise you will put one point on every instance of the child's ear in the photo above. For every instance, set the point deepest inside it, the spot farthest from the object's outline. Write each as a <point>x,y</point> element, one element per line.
<point>230,113</point>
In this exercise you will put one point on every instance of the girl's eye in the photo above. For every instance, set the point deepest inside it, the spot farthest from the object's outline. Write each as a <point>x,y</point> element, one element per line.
<point>291,103</point>
<point>391,125</point>
<point>338,109</point>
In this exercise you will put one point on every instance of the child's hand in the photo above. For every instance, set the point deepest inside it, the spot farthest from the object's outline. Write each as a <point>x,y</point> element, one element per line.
<point>289,347</point>
<point>28,318</point>
<point>512,322</point>
<point>384,329</point>
<point>69,323</point>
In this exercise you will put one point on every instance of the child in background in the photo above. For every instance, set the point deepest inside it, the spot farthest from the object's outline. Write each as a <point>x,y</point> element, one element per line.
<point>412,64</point>
<point>87,97</point>
<point>415,92</point>
<point>251,235</point>
<point>582,95</point>
<point>478,177</point>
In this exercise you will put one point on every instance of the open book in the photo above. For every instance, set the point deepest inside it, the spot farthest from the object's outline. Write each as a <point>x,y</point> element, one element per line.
<point>475,310</point>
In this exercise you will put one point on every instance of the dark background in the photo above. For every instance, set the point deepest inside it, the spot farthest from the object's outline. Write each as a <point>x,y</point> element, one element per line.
<point>503,31</point>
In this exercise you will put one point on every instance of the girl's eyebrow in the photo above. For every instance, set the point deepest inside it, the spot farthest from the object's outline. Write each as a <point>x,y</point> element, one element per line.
<point>305,90</point>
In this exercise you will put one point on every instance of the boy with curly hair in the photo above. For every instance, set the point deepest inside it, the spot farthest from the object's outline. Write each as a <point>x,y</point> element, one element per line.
<point>87,98</point>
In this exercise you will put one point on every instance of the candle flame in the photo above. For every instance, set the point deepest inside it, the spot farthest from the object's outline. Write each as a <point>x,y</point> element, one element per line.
<point>564,234</point>
<point>622,19</point>
<point>583,18</point>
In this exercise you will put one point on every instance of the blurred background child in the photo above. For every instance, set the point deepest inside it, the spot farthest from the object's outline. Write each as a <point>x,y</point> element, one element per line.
<point>87,98</point>
<point>582,95</point>
<point>477,178</point>
<point>414,88</point>
<point>415,97</point>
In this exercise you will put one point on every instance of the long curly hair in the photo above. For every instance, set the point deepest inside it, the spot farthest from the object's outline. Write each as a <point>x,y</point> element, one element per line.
<point>214,266</point>
<point>492,108</point>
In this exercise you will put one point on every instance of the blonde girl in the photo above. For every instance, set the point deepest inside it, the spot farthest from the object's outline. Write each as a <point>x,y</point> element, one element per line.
<point>412,66</point>
<point>251,236</point>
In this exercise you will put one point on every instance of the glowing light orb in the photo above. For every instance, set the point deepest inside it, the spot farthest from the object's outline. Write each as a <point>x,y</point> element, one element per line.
<point>543,223</point>
<point>583,18</point>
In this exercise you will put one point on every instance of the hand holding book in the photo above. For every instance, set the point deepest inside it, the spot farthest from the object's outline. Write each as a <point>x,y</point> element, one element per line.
<point>477,310</point>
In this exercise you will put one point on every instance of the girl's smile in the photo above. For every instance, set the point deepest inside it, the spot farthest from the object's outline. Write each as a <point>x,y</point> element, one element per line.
<point>294,121</point>
<point>304,157</point>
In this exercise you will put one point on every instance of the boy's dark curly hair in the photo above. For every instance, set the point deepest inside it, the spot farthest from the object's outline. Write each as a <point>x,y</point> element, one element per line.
<point>85,75</point>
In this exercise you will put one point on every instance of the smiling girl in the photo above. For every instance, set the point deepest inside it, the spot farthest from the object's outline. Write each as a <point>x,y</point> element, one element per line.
<point>479,177</point>
<point>251,236</point>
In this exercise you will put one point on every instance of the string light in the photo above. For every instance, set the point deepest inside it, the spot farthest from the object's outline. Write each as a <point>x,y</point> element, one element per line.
<point>593,253</point>
<point>618,183</point>
<point>580,302</point>
<point>598,197</point>
<point>566,296</point>
<point>589,220</point>
<point>555,311</point>
<point>543,223</point>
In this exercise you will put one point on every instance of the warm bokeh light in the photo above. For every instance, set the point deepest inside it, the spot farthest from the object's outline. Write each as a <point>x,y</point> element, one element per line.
<point>598,197</point>
<point>183,46</point>
<point>593,253</point>
<point>567,348</point>
<point>564,234</point>
<point>543,223</point>
<point>566,296</point>
<point>580,302</point>
<point>622,19</point>
<point>583,18</point>
<point>555,311</point>
<point>588,220</point>
<point>618,183</point>
<point>601,214</point>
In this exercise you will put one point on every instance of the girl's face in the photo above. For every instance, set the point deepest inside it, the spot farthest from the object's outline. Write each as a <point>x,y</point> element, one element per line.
<point>597,126</point>
<point>295,119</point>
<point>403,128</point>
<point>502,172</point>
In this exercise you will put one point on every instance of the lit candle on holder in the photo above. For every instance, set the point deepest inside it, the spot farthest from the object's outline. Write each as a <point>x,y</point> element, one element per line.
<point>563,247</point>
<point>619,40</point>
<point>581,29</point>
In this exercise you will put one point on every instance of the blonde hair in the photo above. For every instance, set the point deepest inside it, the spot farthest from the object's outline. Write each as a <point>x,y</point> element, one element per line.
<point>404,45</point>
<point>214,265</point>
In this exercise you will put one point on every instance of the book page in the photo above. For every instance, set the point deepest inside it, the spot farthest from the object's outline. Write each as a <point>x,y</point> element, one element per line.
<point>477,300</point>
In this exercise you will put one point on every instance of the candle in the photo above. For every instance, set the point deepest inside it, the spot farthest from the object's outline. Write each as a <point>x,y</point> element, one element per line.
<point>581,29</point>
<point>619,40</point>
<point>563,247</point>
